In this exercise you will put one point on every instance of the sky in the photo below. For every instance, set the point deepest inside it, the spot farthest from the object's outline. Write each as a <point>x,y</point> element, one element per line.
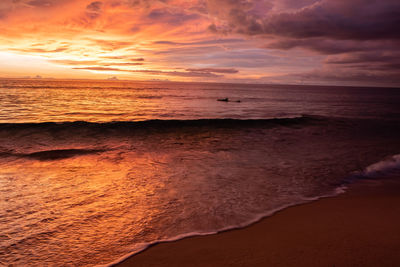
<point>335,42</point>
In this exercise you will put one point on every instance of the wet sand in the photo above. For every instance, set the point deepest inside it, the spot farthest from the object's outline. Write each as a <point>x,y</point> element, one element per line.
<point>358,228</point>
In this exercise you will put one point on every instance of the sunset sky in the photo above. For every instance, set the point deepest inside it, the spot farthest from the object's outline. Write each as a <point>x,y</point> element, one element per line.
<point>354,42</point>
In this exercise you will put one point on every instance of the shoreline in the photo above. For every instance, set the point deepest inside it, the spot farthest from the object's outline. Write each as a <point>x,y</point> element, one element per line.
<point>358,227</point>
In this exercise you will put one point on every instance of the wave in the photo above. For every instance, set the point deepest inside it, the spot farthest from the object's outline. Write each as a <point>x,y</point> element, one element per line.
<point>166,124</point>
<point>55,154</point>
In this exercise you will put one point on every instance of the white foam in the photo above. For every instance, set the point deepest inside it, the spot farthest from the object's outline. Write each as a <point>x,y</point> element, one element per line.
<point>383,167</point>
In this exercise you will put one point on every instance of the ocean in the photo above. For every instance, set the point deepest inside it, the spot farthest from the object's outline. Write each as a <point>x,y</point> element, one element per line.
<point>94,171</point>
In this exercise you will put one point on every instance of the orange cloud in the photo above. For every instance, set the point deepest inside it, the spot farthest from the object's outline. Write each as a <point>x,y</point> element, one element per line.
<point>223,40</point>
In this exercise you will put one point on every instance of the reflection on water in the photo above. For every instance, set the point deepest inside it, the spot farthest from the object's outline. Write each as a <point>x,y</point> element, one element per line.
<point>148,185</point>
<point>88,193</point>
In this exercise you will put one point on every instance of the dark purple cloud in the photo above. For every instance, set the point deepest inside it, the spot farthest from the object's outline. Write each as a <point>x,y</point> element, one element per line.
<point>332,19</point>
<point>361,57</point>
<point>329,46</point>
<point>363,35</point>
<point>363,77</point>
<point>378,61</point>
<point>339,20</point>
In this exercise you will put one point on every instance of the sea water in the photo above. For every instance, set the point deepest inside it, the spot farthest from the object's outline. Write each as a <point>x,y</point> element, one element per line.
<point>92,171</point>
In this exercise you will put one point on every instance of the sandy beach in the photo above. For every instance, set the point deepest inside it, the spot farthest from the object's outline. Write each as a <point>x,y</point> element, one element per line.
<point>357,228</point>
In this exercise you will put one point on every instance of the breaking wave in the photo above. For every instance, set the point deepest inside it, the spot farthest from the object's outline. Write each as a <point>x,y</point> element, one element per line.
<point>162,124</point>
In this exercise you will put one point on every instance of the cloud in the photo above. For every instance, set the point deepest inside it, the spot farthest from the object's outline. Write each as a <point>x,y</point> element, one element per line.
<point>202,42</point>
<point>366,78</point>
<point>180,73</point>
<point>94,62</point>
<point>357,20</point>
<point>111,45</point>
<point>170,17</point>
<point>93,10</point>
<point>122,64</point>
<point>40,50</point>
<point>40,3</point>
<point>333,19</point>
<point>214,70</point>
<point>362,57</point>
<point>377,61</point>
<point>74,62</point>
<point>124,58</point>
<point>242,38</point>
<point>353,33</point>
<point>157,72</point>
<point>94,6</point>
<point>99,69</point>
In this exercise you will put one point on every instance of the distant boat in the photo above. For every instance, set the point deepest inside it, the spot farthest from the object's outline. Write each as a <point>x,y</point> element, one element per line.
<point>227,100</point>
